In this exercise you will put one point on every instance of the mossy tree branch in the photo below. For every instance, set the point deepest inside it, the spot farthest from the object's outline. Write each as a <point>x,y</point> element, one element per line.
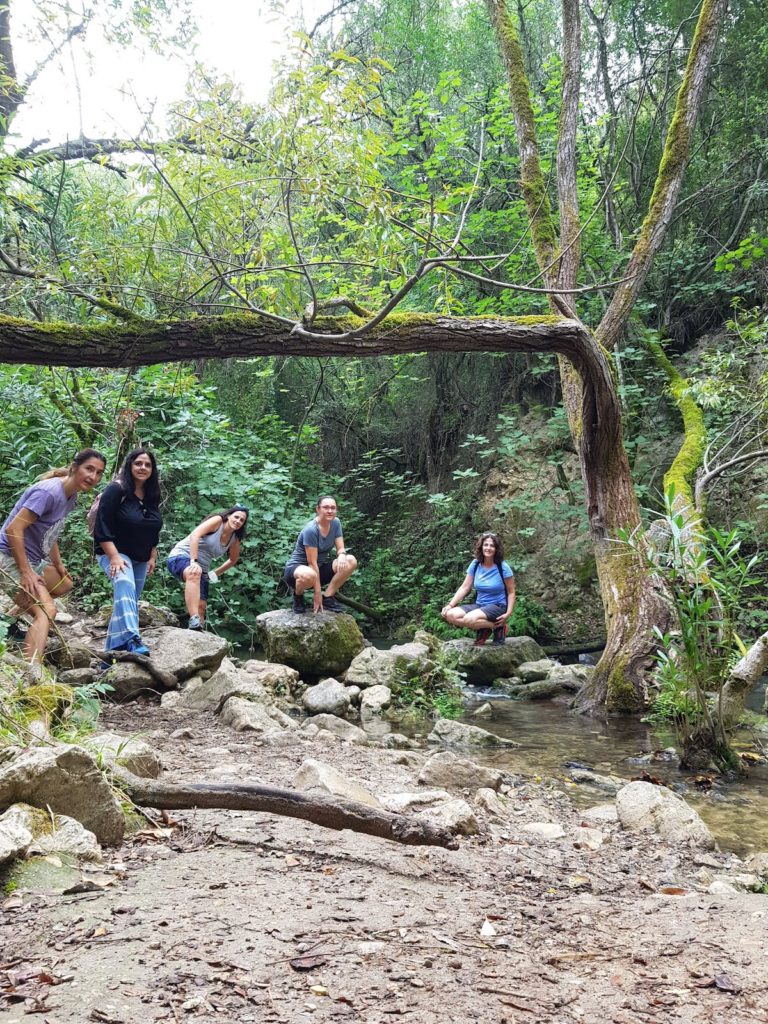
<point>674,160</point>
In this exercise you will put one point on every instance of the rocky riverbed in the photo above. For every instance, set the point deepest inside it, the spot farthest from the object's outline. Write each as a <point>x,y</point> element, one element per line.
<point>624,911</point>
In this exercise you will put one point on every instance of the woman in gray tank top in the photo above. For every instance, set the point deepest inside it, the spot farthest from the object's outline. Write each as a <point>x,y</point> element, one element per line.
<point>190,560</point>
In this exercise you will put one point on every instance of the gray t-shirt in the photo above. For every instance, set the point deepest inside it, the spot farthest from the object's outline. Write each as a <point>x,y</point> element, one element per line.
<point>311,537</point>
<point>51,506</point>
<point>209,547</point>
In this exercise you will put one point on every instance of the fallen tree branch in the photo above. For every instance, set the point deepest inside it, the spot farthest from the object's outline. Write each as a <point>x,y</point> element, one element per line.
<point>328,812</point>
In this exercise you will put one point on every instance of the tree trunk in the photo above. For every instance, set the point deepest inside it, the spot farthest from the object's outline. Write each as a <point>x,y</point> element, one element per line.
<point>744,677</point>
<point>320,810</point>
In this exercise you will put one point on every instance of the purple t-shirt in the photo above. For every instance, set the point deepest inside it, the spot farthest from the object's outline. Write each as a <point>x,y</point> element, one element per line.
<point>51,506</point>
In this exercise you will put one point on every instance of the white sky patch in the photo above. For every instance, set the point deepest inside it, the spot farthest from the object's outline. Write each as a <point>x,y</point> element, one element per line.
<point>103,90</point>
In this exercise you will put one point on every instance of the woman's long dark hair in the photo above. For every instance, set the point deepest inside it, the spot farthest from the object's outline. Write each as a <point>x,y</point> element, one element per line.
<point>236,508</point>
<point>152,484</point>
<point>498,554</point>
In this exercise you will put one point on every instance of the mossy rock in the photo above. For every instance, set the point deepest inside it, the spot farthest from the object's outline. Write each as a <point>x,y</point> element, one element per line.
<point>315,645</point>
<point>482,665</point>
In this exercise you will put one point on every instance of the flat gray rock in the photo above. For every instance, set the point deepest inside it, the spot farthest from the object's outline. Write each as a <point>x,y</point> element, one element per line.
<point>482,665</point>
<point>643,807</point>
<point>456,734</point>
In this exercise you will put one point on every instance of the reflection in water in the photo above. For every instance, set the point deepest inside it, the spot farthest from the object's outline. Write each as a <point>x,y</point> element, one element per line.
<point>549,736</point>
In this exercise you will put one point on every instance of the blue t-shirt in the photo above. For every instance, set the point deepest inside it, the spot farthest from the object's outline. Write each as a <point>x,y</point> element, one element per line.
<point>310,537</point>
<point>489,583</point>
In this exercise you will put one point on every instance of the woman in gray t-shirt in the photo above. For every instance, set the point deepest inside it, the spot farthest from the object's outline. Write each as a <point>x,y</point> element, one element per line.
<point>190,560</point>
<point>31,569</point>
<point>319,560</point>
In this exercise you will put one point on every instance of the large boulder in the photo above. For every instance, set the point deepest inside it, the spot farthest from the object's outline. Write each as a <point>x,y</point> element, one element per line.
<point>127,681</point>
<point>280,680</point>
<point>185,652</point>
<point>245,716</point>
<point>481,665</point>
<point>339,727</point>
<point>374,700</point>
<point>447,769</point>
<point>155,615</point>
<point>456,734</point>
<point>129,752</point>
<point>532,671</point>
<point>227,681</point>
<point>318,775</point>
<point>315,645</point>
<point>643,807</point>
<point>66,779</point>
<point>329,697</point>
<point>26,830</point>
<point>390,668</point>
<point>68,653</point>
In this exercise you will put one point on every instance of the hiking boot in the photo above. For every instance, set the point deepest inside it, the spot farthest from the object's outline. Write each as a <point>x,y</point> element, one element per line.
<point>194,623</point>
<point>482,636</point>
<point>330,604</point>
<point>297,605</point>
<point>500,635</point>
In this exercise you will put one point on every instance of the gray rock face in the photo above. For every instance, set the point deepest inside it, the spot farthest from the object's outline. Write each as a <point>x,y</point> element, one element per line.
<point>606,783</point>
<point>643,807</point>
<point>374,700</point>
<point>318,775</point>
<point>280,680</point>
<point>600,814</point>
<point>570,677</point>
<point>544,829</point>
<point>339,727</point>
<point>329,697</point>
<point>131,753</point>
<point>389,668</point>
<point>456,815</point>
<point>184,652</point>
<point>541,689</point>
<point>484,664</point>
<point>155,615</point>
<point>456,734</point>
<point>26,830</point>
<point>68,654</point>
<point>227,681</point>
<point>66,779</point>
<point>318,645</point>
<point>245,716</point>
<point>128,681</point>
<point>530,671</point>
<point>401,802</point>
<point>448,770</point>
<point>78,677</point>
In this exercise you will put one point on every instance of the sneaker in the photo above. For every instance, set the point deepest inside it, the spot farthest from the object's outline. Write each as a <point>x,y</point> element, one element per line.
<point>194,623</point>
<point>482,636</point>
<point>499,635</point>
<point>297,606</point>
<point>15,632</point>
<point>330,604</point>
<point>135,646</point>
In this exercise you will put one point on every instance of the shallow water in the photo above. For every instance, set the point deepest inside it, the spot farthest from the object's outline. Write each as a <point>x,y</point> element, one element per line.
<point>551,736</point>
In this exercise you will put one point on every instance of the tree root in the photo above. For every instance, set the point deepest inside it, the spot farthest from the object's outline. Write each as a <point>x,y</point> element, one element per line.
<point>166,679</point>
<point>328,812</point>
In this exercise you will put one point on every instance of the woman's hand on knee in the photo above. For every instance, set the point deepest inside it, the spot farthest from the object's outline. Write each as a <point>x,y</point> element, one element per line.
<point>117,565</point>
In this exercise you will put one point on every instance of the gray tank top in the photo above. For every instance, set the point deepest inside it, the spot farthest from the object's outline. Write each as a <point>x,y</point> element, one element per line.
<point>209,548</point>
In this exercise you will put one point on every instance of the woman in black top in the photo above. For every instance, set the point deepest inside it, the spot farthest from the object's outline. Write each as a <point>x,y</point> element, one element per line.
<point>126,532</point>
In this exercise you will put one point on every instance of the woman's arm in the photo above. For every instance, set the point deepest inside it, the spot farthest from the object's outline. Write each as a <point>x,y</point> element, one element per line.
<point>105,526</point>
<point>461,593</point>
<point>15,533</point>
<point>341,553</point>
<point>509,583</point>
<point>152,561</point>
<point>233,559</point>
<point>311,554</point>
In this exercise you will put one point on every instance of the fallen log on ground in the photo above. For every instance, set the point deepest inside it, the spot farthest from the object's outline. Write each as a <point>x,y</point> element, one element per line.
<point>166,679</point>
<point>328,812</point>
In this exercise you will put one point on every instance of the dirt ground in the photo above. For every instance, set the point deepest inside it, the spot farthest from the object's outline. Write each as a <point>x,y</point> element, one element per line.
<point>240,917</point>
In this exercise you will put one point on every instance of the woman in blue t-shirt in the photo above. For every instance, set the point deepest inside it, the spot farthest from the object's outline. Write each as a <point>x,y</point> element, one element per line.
<point>494,584</point>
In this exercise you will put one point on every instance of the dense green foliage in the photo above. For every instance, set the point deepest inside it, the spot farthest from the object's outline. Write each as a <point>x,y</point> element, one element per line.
<point>389,140</point>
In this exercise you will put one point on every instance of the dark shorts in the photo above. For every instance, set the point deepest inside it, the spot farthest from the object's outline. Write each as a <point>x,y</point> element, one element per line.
<point>326,574</point>
<point>490,611</point>
<point>176,566</point>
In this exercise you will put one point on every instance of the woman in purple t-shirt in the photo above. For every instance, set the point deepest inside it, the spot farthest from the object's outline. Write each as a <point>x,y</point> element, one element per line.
<point>31,569</point>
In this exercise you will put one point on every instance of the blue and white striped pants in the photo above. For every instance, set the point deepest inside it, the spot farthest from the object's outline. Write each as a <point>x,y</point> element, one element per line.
<point>126,588</point>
